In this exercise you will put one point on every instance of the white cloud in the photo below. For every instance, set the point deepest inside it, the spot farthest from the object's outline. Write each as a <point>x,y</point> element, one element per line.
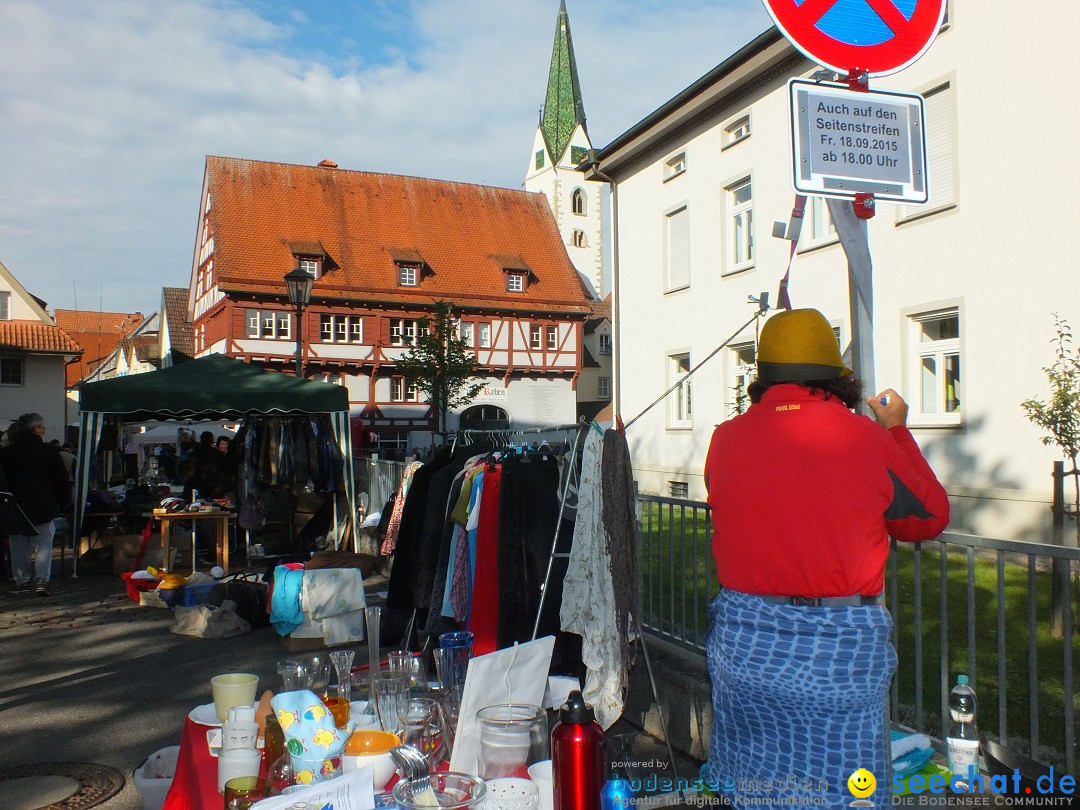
<point>109,108</point>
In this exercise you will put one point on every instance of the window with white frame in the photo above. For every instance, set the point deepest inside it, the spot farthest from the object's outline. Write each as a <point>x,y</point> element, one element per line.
<point>310,265</point>
<point>675,165</point>
<point>740,232</point>
<point>536,336</point>
<point>677,249</point>
<point>743,371</point>
<point>577,202</point>
<point>515,282</point>
<point>11,371</point>
<point>678,489</point>
<point>603,387</point>
<point>483,335</point>
<point>341,328</point>
<point>268,323</point>
<point>578,238</point>
<point>818,227</point>
<point>605,344</point>
<point>736,130</point>
<point>401,390</point>
<point>935,370</point>
<point>551,337</point>
<point>465,332</point>
<point>405,331</point>
<point>407,275</point>
<point>940,109</point>
<point>681,401</point>
<point>5,306</point>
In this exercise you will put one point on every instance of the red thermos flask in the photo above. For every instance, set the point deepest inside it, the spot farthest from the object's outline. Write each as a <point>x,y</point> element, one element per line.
<point>576,756</point>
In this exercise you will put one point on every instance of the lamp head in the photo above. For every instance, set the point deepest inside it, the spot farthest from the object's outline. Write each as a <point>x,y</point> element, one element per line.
<point>298,284</point>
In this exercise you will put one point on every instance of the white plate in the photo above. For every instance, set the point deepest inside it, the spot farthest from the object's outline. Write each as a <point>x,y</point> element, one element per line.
<point>205,715</point>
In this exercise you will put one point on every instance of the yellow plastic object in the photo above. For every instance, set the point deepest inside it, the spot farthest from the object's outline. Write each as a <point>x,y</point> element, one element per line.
<point>170,581</point>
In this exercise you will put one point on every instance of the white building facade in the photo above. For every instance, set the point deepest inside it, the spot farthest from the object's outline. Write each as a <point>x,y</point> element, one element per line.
<point>965,287</point>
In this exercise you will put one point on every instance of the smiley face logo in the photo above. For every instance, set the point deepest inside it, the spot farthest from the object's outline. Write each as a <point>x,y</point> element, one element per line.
<point>861,783</point>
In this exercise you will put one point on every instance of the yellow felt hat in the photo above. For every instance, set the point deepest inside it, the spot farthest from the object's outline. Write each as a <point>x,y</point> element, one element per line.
<point>797,346</point>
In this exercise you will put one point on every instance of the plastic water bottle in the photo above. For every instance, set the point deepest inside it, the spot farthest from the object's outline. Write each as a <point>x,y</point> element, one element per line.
<point>962,739</point>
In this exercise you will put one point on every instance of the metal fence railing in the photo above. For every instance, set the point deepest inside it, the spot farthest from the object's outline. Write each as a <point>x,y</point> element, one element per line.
<point>960,604</point>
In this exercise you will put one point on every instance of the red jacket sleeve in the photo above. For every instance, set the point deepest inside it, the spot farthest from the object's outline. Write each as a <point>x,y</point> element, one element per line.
<point>920,508</point>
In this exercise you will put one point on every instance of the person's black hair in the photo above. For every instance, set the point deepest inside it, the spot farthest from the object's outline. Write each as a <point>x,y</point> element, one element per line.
<point>846,389</point>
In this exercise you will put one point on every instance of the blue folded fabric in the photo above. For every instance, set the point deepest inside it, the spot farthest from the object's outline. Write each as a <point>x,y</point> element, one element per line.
<point>910,755</point>
<point>285,612</point>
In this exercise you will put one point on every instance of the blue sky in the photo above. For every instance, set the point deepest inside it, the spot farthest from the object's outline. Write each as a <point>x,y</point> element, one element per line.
<point>109,107</point>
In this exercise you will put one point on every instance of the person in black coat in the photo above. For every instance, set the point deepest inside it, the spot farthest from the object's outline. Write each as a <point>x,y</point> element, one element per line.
<point>42,489</point>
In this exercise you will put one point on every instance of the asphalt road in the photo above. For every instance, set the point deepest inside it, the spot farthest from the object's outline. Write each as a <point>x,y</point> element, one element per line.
<point>86,675</point>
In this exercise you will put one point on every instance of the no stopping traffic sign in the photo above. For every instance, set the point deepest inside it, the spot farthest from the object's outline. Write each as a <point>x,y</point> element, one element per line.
<point>876,36</point>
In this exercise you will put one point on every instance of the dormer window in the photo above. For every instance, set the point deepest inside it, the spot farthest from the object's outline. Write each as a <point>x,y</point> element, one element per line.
<point>515,282</point>
<point>408,275</point>
<point>310,265</point>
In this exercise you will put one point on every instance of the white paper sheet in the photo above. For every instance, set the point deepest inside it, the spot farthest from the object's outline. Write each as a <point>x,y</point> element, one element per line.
<point>518,674</point>
<point>350,791</point>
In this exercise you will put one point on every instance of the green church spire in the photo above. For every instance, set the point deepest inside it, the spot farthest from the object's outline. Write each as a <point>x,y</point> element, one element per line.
<point>563,108</point>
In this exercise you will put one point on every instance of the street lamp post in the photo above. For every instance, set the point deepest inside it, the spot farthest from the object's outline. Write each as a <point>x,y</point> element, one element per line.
<point>298,284</point>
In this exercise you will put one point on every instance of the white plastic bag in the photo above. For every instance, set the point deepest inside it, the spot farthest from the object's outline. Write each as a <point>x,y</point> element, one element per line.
<point>207,621</point>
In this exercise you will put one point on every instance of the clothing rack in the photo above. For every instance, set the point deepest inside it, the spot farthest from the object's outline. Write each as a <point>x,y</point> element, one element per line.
<point>505,436</point>
<point>573,478</point>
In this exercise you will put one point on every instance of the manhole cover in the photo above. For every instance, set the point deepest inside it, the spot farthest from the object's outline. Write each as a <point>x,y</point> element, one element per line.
<point>93,784</point>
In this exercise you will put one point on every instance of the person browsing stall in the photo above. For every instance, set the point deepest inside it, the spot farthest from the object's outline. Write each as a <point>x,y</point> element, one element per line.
<point>804,495</point>
<point>42,489</point>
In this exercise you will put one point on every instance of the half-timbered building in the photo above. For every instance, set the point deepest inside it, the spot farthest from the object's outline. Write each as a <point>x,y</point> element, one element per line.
<point>383,249</point>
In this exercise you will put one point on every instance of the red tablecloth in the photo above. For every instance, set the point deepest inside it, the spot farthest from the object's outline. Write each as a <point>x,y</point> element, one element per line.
<point>194,785</point>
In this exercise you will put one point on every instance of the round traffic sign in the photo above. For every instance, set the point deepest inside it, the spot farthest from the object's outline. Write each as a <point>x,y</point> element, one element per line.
<point>876,36</point>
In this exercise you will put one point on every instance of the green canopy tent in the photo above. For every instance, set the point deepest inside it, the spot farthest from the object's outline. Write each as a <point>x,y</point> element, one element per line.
<point>210,387</point>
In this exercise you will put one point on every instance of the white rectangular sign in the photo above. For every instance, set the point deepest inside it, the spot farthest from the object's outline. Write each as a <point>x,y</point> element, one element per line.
<point>846,142</point>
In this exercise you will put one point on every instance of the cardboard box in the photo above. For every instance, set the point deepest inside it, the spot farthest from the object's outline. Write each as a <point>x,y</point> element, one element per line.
<point>126,546</point>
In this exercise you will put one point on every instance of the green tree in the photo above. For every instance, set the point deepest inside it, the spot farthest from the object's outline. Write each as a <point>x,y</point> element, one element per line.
<point>441,365</point>
<point>1061,414</point>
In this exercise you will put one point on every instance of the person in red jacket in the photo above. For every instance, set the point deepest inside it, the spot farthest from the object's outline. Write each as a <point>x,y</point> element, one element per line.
<point>804,495</point>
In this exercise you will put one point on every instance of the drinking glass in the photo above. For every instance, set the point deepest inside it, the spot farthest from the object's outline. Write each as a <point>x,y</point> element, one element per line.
<point>244,791</point>
<point>457,649</point>
<point>513,736</point>
<point>408,665</point>
<point>294,676</point>
<point>419,718</point>
<point>389,691</point>
<point>318,669</point>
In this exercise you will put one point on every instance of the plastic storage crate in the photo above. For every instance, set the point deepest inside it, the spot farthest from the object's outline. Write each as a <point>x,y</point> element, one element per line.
<point>191,595</point>
<point>187,595</point>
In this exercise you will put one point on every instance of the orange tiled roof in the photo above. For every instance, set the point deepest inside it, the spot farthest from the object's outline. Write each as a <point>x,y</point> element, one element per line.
<point>35,336</point>
<point>77,320</point>
<point>98,333</point>
<point>363,220</point>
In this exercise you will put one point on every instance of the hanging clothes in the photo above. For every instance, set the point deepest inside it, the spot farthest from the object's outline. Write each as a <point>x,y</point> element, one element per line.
<point>588,604</point>
<point>484,613</point>
<point>390,540</point>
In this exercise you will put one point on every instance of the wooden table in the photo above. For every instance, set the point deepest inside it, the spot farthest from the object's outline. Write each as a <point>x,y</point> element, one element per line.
<point>219,520</point>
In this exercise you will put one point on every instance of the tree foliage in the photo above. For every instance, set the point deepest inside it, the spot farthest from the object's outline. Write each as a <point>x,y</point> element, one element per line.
<point>1060,416</point>
<point>441,365</point>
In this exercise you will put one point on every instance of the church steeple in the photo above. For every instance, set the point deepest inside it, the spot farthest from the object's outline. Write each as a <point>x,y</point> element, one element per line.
<point>563,108</point>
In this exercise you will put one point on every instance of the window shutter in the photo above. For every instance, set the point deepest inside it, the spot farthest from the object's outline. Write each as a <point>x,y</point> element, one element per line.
<point>678,243</point>
<point>939,151</point>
